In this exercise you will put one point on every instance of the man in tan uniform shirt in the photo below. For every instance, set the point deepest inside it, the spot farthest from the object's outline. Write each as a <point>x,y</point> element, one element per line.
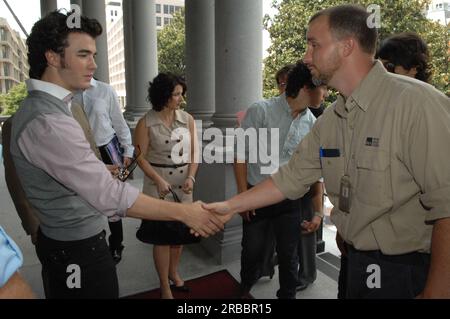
<point>382,149</point>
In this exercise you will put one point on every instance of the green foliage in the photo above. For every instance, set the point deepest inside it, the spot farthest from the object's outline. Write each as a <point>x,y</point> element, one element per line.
<point>9,102</point>
<point>171,46</point>
<point>288,28</point>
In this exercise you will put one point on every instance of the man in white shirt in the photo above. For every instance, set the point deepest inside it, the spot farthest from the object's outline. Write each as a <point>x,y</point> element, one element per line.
<point>108,127</point>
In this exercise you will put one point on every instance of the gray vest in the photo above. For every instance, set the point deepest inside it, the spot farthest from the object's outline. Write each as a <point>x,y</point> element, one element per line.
<point>63,214</point>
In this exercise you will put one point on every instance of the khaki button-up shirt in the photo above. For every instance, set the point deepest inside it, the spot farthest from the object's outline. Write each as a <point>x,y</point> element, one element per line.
<point>391,137</point>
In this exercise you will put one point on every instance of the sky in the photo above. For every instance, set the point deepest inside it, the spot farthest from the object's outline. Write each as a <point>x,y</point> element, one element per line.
<point>29,12</point>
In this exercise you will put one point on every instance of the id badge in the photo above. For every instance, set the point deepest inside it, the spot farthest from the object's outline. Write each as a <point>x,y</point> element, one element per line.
<point>345,194</point>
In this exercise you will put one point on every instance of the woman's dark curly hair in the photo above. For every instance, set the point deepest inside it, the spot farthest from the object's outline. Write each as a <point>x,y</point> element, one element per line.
<point>50,34</point>
<point>408,50</point>
<point>298,77</point>
<point>161,89</point>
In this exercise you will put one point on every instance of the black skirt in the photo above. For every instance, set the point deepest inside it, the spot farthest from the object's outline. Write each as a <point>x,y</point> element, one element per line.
<point>165,233</point>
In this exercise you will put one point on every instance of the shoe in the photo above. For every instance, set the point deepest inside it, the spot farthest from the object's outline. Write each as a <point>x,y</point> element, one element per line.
<point>182,288</point>
<point>301,286</point>
<point>117,254</point>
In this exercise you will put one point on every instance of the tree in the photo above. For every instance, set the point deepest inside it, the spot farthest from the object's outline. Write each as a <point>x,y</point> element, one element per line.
<point>288,28</point>
<point>9,102</point>
<point>171,46</point>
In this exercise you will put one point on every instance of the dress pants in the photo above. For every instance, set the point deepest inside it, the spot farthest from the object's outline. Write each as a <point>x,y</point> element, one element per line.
<point>285,219</point>
<point>115,226</point>
<point>95,267</point>
<point>307,271</point>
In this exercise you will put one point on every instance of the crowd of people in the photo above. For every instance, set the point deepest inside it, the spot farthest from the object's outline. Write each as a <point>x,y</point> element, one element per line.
<point>377,151</point>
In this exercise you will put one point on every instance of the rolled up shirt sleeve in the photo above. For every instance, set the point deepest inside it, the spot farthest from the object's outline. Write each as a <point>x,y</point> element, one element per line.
<point>426,152</point>
<point>11,258</point>
<point>56,144</point>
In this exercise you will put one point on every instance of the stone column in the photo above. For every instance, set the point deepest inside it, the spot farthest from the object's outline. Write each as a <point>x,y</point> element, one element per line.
<point>78,3</point>
<point>238,45</point>
<point>200,63</point>
<point>48,6</point>
<point>96,10</point>
<point>129,71</point>
<point>238,81</point>
<point>142,51</point>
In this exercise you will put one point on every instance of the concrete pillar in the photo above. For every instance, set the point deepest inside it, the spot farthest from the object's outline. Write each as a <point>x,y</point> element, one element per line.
<point>238,81</point>
<point>48,6</point>
<point>238,44</point>
<point>143,53</point>
<point>96,10</point>
<point>129,71</point>
<point>200,63</point>
<point>78,3</point>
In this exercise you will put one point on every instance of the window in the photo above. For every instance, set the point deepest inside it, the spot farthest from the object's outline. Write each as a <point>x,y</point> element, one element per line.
<point>166,21</point>
<point>3,36</point>
<point>158,21</point>
<point>112,13</point>
<point>5,52</point>
<point>171,9</point>
<point>158,8</point>
<point>166,9</point>
<point>6,69</point>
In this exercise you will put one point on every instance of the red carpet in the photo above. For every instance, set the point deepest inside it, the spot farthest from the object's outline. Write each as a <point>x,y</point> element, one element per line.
<point>218,285</point>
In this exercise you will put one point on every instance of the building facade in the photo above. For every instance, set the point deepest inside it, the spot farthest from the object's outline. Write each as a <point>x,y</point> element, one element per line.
<point>13,57</point>
<point>164,10</point>
<point>439,10</point>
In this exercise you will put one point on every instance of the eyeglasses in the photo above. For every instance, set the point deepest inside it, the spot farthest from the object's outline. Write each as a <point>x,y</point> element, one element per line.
<point>125,172</point>
<point>390,67</point>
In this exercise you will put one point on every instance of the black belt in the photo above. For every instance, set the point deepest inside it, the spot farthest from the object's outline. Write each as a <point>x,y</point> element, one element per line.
<point>412,258</point>
<point>168,165</point>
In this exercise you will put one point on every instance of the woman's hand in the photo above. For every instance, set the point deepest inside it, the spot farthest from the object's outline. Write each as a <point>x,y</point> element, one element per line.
<point>188,186</point>
<point>163,187</point>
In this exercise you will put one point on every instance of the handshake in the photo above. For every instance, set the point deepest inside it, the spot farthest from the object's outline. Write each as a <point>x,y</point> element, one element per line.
<point>206,219</point>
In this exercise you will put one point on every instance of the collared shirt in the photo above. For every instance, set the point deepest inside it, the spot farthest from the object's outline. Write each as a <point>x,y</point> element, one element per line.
<point>102,107</point>
<point>391,138</point>
<point>274,113</point>
<point>65,155</point>
<point>10,257</point>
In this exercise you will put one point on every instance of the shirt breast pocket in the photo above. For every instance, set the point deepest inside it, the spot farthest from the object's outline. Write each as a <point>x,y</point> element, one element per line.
<point>332,171</point>
<point>373,185</point>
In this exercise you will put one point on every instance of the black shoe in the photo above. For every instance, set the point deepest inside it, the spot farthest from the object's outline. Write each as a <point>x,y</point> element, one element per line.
<point>301,286</point>
<point>117,254</point>
<point>183,288</point>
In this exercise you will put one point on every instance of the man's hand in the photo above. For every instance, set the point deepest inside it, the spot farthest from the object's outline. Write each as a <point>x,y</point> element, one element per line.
<point>312,226</point>
<point>127,161</point>
<point>201,221</point>
<point>247,215</point>
<point>113,169</point>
